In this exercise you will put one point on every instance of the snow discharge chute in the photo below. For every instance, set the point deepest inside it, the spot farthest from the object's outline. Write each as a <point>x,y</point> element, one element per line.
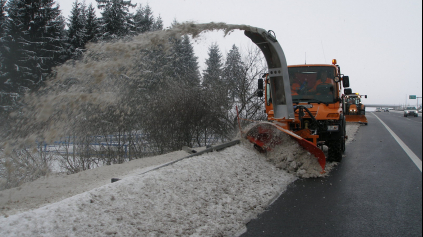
<point>264,135</point>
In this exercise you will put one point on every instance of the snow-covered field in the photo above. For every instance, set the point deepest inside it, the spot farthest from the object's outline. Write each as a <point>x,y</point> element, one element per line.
<point>214,194</point>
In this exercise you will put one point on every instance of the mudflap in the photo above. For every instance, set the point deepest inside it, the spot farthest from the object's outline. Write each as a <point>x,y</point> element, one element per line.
<point>356,119</point>
<point>264,136</point>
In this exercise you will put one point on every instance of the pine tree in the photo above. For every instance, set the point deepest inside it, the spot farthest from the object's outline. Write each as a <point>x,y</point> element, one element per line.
<point>184,64</point>
<point>76,28</point>
<point>234,74</point>
<point>116,19</point>
<point>190,62</point>
<point>216,94</point>
<point>35,43</point>
<point>212,76</point>
<point>3,17</point>
<point>3,47</point>
<point>158,24</point>
<point>92,25</point>
<point>144,20</point>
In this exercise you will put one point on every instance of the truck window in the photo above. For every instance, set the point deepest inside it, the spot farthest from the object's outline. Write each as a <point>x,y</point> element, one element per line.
<point>312,84</point>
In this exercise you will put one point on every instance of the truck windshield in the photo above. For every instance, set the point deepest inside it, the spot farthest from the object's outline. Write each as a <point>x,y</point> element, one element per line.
<point>353,100</point>
<point>312,84</point>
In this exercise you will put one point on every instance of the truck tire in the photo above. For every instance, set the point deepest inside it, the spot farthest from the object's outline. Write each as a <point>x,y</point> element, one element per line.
<point>337,146</point>
<point>344,130</point>
<point>335,150</point>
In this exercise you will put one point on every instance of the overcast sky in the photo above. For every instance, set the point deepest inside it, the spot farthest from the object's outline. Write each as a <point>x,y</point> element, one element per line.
<point>377,43</point>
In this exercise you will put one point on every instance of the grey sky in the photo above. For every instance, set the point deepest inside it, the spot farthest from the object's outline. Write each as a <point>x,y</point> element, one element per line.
<point>377,43</point>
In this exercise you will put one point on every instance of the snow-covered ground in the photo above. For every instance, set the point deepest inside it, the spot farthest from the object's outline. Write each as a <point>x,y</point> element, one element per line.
<point>214,194</point>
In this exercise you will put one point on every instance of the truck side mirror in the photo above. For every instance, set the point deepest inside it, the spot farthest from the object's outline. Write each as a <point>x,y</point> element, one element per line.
<point>346,81</point>
<point>260,88</point>
<point>365,96</point>
<point>347,91</point>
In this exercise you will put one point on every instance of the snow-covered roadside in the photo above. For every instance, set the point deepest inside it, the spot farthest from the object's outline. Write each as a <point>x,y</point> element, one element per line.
<point>212,194</point>
<point>209,195</point>
<point>352,129</point>
<point>57,187</point>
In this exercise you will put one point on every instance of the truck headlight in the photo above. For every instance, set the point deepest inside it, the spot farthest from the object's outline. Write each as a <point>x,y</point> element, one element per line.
<point>333,128</point>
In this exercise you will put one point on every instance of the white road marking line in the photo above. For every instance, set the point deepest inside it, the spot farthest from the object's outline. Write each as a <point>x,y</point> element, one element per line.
<point>407,150</point>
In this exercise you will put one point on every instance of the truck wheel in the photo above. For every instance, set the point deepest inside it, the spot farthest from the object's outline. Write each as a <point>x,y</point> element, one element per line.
<point>343,145</point>
<point>344,130</point>
<point>335,151</point>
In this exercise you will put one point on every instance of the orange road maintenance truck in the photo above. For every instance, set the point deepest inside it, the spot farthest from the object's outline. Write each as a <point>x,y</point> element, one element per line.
<point>303,101</point>
<point>355,110</point>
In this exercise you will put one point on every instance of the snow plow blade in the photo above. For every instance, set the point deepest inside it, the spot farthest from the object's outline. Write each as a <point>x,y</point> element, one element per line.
<point>356,119</point>
<point>265,137</point>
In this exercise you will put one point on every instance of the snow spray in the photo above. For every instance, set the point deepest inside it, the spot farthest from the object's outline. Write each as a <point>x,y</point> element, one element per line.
<point>83,89</point>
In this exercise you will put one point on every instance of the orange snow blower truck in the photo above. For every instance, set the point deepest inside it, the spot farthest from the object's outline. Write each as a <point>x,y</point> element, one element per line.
<point>355,111</point>
<point>303,101</point>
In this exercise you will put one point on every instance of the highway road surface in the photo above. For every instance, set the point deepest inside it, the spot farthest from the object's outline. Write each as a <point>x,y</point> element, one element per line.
<point>375,191</point>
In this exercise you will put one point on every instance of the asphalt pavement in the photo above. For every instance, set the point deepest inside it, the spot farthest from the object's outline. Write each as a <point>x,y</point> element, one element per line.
<point>409,129</point>
<point>375,191</point>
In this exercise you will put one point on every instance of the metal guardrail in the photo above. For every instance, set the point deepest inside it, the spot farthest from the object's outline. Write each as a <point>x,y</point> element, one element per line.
<point>211,149</point>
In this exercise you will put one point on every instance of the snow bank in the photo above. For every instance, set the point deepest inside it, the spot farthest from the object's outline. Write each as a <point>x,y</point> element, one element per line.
<point>215,194</point>
<point>56,187</point>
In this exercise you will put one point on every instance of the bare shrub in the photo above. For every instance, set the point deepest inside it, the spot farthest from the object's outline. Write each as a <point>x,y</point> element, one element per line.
<point>23,166</point>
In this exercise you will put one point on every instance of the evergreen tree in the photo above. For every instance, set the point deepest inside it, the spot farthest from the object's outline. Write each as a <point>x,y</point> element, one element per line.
<point>234,73</point>
<point>148,20</point>
<point>76,28</point>
<point>116,19</point>
<point>3,18</point>
<point>190,62</point>
<point>158,24</point>
<point>92,25</point>
<point>212,76</point>
<point>215,90</point>
<point>184,65</point>
<point>3,48</point>
<point>35,43</point>
<point>144,20</point>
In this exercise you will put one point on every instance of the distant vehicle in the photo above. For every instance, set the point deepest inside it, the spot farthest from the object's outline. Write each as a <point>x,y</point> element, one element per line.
<point>355,110</point>
<point>411,111</point>
<point>378,110</point>
<point>420,110</point>
<point>386,110</point>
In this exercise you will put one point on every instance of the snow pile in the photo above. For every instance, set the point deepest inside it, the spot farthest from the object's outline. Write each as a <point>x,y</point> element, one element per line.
<point>293,158</point>
<point>215,194</point>
<point>288,155</point>
<point>285,152</point>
